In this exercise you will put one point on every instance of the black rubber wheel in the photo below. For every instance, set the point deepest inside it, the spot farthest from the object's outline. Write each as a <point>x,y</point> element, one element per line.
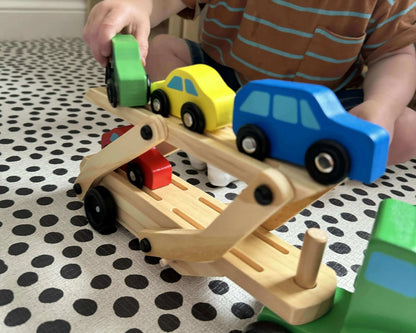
<point>265,327</point>
<point>327,162</point>
<point>109,72</point>
<point>101,210</point>
<point>251,140</point>
<point>135,174</point>
<point>149,83</point>
<point>112,93</point>
<point>159,102</point>
<point>192,117</point>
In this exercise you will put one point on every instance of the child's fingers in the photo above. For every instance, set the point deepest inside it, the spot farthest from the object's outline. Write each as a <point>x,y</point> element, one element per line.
<point>142,35</point>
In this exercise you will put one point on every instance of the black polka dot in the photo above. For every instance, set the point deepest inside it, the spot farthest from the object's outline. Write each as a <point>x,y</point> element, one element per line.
<point>369,202</point>
<point>169,300</point>
<point>242,310</point>
<point>49,188</point>
<point>363,234</point>
<point>6,203</point>
<point>106,250</point>
<point>218,287</point>
<point>151,260</point>
<point>338,268</point>
<point>349,217</point>
<point>360,191</point>
<point>329,219</point>
<point>340,248</point>
<point>79,220</point>
<point>72,251</point>
<point>24,191</point>
<point>312,224</point>
<point>84,235</point>
<point>305,212</point>
<point>85,306</point>
<point>17,317</point>
<point>58,325</point>
<point>51,295</point>
<point>204,311</point>
<point>193,181</point>
<point>71,271</point>
<point>27,279</point>
<point>170,275</point>
<point>134,244</point>
<point>24,230</point>
<point>335,231</point>
<point>44,201</point>
<point>134,330</point>
<point>230,196</point>
<point>42,261</point>
<point>125,307</point>
<point>6,296</point>
<point>336,202</point>
<point>74,205</point>
<point>53,237</point>
<point>3,267</point>
<point>122,263</point>
<point>101,281</point>
<point>48,220</point>
<point>18,248</point>
<point>168,322</point>
<point>282,228</point>
<point>136,281</point>
<point>370,213</point>
<point>348,197</point>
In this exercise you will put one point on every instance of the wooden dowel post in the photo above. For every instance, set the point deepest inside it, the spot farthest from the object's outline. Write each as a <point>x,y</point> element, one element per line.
<point>310,258</point>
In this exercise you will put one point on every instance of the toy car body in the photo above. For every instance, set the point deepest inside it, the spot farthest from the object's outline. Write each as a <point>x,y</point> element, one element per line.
<point>306,124</point>
<point>150,169</point>
<point>197,94</point>
<point>126,80</point>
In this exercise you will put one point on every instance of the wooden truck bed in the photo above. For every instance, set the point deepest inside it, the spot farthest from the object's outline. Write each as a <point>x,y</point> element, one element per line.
<point>198,235</point>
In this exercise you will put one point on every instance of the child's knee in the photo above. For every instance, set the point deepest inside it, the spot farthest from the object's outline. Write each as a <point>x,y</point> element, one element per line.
<point>166,44</point>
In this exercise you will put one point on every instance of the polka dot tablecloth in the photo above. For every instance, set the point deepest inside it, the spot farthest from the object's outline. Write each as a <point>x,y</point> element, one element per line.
<point>58,275</point>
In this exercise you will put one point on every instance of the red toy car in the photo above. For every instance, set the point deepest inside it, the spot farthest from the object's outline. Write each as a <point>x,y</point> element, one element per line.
<point>150,169</point>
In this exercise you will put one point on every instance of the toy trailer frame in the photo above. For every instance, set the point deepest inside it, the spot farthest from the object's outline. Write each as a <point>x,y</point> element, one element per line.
<point>200,236</point>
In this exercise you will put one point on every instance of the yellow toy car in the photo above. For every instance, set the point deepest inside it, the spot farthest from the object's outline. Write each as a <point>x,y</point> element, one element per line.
<point>197,94</point>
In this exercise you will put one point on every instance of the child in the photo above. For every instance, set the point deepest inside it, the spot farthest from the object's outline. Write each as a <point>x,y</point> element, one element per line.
<point>324,42</point>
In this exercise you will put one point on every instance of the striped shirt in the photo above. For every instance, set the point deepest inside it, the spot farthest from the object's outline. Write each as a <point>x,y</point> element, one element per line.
<point>316,41</point>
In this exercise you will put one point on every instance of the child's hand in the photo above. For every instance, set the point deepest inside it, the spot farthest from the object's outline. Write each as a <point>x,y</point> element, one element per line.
<point>110,17</point>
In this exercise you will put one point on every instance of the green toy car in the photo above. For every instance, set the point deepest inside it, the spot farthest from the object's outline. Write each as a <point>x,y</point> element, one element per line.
<point>126,80</point>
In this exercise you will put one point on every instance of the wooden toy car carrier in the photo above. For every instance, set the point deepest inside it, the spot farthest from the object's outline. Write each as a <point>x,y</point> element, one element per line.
<point>198,235</point>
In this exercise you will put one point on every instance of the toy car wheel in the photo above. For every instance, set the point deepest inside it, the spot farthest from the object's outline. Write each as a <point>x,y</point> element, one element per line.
<point>265,327</point>
<point>327,162</point>
<point>252,141</point>
<point>135,174</point>
<point>112,93</point>
<point>159,102</point>
<point>100,209</point>
<point>149,83</point>
<point>109,72</point>
<point>192,117</point>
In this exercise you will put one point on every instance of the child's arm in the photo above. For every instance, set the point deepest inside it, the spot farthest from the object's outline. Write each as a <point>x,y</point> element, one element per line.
<point>389,85</point>
<point>136,17</point>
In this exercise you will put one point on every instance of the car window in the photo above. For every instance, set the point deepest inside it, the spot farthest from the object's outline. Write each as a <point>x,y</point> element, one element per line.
<point>307,117</point>
<point>285,108</point>
<point>176,83</point>
<point>257,102</point>
<point>190,88</point>
<point>392,273</point>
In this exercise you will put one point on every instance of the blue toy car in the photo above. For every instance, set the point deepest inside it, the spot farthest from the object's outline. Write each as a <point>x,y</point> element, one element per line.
<point>306,124</point>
